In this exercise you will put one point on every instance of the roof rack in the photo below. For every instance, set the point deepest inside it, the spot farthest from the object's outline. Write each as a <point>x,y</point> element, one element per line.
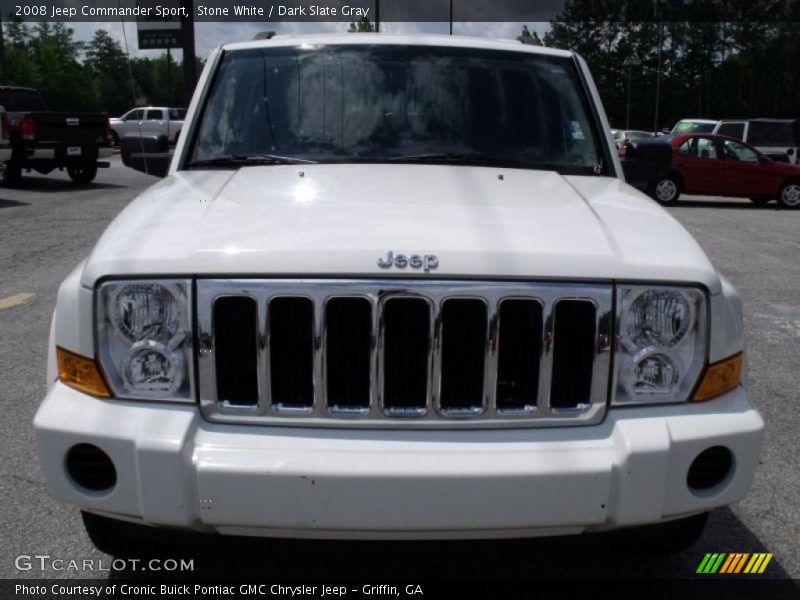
<point>264,35</point>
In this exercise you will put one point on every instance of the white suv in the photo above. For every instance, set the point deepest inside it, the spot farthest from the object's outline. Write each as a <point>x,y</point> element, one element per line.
<point>405,295</point>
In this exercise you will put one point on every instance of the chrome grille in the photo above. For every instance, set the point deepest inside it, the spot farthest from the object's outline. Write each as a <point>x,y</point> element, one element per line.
<point>402,353</point>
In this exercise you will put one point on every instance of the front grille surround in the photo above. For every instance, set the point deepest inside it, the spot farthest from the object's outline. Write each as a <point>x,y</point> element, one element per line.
<point>378,293</point>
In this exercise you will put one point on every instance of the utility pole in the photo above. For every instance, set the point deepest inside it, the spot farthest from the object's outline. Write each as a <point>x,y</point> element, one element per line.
<point>451,17</point>
<point>2,48</point>
<point>658,68</point>
<point>628,103</point>
<point>377,16</point>
<point>170,98</point>
<point>187,45</point>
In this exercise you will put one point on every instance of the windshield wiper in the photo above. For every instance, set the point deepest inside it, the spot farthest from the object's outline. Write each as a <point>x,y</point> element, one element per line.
<point>465,158</point>
<point>242,160</point>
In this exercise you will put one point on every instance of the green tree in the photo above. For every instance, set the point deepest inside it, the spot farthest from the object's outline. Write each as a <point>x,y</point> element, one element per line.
<point>527,33</point>
<point>59,75</point>
<point>362,26</point>
<point>108,66</point>
<point>19,68</point>
<point>738,67</point>
<point>16,33</point>
<point>94,75</point>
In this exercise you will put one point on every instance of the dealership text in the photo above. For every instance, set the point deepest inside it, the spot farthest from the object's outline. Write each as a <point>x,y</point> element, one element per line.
<point>60,589</point>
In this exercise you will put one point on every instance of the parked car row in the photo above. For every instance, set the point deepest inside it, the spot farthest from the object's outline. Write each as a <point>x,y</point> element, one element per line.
<point>36,139</point>
<point>42,140</point>
<point>709,164</point>
<point>777,138</point>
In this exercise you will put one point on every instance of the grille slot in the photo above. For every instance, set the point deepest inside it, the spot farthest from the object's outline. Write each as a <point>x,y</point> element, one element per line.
<point>520,344</point>
<point>463,349</point>
<point>403,353</point>
<point>348,342</point>
<point>235,324</point>
<point>406,351</point>
<point>291,341</point>
<point>573,353</point>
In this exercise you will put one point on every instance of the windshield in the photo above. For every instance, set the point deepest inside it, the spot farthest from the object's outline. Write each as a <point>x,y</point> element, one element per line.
<point>693,127</point>
<point>401,103</point>
<point>21,100</point>
<point>776,134</point>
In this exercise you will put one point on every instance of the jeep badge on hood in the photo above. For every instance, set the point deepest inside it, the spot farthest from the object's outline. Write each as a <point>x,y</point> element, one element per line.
<point>425,262</point>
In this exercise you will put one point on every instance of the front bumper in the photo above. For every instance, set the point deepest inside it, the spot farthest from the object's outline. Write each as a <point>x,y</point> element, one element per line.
<point>176,469</point>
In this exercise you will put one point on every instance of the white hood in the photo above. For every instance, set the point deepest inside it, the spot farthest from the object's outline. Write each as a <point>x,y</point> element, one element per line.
<point>337,220</point>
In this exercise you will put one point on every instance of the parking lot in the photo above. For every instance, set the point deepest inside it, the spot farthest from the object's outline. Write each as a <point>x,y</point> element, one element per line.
<point>48,224</point>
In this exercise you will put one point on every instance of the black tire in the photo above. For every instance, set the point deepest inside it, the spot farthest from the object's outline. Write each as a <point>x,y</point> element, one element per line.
<point>114,139</point>
<point>666,190</point>
<point>12,174</point>
<point>760,201</point>
<point>789,196</point>
<point>83,174</point>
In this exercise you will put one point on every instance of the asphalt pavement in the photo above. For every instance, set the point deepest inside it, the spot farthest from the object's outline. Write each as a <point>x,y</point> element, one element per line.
<point>48,225</point>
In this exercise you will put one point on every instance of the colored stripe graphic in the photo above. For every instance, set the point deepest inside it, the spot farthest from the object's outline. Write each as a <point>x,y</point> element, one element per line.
<point>731,560</point>
<point>758,563</point>
<point>711,562</point>
<point>738,562</point>
<point>734,563</point>
<point>703,563</point>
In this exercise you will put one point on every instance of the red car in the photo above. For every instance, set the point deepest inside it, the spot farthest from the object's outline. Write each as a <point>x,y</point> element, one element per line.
<point>717,165</point>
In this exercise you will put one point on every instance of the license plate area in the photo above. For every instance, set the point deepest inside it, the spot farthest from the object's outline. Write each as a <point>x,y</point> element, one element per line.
<point>73,150</point>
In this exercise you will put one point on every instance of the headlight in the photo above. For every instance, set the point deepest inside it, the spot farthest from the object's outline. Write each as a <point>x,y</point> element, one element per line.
<point>144,338</point>
<point>661,344</point>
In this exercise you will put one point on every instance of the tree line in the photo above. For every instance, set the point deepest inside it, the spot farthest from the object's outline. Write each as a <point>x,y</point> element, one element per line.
<point>741,69</point>
<point>707,69</point>
<point>86,75</point>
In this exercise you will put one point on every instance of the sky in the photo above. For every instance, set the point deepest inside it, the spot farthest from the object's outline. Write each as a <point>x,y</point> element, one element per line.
<point>211,34</point>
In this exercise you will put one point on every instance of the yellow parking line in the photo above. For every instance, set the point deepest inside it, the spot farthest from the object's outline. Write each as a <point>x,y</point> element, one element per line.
<point>15,300</point>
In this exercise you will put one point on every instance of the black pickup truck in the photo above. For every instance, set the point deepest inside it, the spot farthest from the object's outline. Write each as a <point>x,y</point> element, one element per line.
<point>42,140</point>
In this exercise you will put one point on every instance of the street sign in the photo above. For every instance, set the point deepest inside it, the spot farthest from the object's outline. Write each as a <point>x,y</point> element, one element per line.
<point>158,32</point>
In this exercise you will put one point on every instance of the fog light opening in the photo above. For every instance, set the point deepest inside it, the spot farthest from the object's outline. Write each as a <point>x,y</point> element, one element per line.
<point>91,468</point>
<point>709,470</point>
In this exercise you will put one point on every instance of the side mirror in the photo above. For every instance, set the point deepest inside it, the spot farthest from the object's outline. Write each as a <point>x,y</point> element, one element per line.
<point>146,153</point>
<point>645,162</point>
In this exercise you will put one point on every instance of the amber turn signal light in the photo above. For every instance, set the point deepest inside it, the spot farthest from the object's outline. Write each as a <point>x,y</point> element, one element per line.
<point>81,373</point>
<point>720,377</point>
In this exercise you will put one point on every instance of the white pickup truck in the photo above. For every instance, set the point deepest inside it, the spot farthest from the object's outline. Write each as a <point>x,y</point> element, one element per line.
<point>405,295</point>
<point>153,120</point>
